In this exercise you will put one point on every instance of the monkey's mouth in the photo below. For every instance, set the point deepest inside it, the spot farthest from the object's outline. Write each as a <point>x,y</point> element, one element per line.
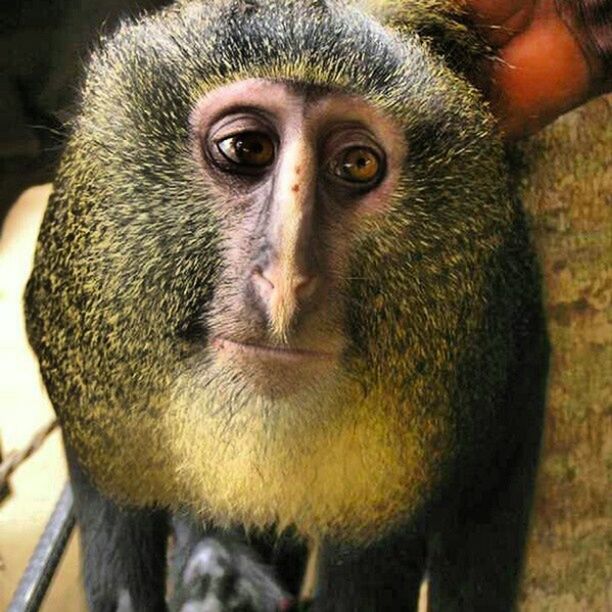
<point>270,353</point>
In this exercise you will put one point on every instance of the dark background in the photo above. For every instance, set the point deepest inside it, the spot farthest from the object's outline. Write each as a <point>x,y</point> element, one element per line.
<point>44,46</point>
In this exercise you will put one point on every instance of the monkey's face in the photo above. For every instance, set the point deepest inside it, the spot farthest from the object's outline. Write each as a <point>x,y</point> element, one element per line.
<point>292,171</point>
<point>274,257</point>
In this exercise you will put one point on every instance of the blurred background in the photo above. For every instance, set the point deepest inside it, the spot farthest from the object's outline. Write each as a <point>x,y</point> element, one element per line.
<point>44,46</point>
<point>24,409</point>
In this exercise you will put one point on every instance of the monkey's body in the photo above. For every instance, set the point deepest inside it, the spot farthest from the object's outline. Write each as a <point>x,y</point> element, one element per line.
<point>412,442</point>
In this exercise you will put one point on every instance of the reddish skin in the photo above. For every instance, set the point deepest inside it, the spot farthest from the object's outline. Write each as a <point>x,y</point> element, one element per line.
<point>541,71</point>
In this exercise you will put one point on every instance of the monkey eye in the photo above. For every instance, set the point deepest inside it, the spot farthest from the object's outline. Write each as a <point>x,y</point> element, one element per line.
<point>359,165</point>
<point>248,150</point>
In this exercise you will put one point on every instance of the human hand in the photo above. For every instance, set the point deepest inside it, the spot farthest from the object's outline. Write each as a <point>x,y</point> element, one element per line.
<point>541,69</point>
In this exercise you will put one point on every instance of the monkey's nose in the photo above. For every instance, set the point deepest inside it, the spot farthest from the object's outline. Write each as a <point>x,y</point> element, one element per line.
<point>274,282</point>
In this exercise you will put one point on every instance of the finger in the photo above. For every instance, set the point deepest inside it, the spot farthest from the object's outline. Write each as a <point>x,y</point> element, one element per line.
<point>500,20</point>
<point>497,11</point>
<point>541,74</point>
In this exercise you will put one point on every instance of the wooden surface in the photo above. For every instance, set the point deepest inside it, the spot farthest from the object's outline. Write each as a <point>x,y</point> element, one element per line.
<point>567,190</point>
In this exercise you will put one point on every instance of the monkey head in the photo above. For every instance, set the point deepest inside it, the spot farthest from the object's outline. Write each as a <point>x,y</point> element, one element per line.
<point>278,278</point>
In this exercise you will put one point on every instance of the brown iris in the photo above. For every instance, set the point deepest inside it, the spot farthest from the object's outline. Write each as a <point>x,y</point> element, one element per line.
<point>357,165</point>
<point>249,149</point>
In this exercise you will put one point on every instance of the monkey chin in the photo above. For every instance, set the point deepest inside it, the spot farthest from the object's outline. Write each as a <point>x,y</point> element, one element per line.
<point>275,372</point>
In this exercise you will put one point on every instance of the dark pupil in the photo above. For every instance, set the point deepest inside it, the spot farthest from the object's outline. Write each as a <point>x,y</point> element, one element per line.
<point>249,147</point>
<point>362,162</point>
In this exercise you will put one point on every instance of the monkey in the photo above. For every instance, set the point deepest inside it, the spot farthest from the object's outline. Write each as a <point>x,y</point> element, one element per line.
<point>284,289</point>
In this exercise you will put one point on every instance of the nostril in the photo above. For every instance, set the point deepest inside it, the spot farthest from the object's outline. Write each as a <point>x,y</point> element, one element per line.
<point>271,280</point>
<point>260,278</point>
<point>305,286</point>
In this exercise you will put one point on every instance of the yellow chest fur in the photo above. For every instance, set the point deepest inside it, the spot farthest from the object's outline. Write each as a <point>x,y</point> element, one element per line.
<point>348,474</point>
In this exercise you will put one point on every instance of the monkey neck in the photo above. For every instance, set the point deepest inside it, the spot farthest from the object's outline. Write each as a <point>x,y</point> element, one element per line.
<point>347,474</point>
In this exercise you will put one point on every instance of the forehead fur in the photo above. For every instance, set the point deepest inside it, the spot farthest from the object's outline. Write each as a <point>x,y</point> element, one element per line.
<point>182,53</point>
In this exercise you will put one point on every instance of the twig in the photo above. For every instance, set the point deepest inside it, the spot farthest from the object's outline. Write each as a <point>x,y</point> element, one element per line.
<point>16,457</point>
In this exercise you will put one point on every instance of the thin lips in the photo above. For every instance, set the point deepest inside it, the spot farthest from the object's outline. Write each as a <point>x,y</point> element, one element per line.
<point>268,351</point>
